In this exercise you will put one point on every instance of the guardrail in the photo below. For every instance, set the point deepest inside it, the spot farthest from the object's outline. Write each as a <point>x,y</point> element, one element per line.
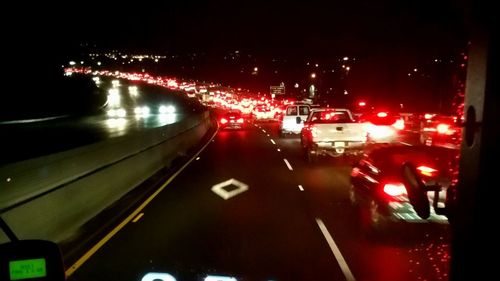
<point>50,197</point>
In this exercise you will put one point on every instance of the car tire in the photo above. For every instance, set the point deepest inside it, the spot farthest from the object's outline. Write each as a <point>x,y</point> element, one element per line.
<point>311,156</point>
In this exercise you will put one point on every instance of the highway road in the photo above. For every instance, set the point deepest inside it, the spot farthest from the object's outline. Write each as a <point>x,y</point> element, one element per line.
<point>249,206</point>
<point>26,139</point>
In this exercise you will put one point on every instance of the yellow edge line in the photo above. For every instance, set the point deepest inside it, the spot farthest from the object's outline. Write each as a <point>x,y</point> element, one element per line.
<point>138,217</point>
<point>106,238</point>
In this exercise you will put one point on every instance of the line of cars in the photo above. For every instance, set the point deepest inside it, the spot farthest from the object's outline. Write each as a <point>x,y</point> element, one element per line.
<point>391,183</point>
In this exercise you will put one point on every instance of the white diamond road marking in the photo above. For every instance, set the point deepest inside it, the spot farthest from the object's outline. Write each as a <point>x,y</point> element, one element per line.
<point>219,188</point>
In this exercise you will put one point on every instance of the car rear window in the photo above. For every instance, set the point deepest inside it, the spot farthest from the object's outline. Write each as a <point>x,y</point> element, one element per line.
<point>291,110</point>
<point>303,110</point>
<point>330,117</point>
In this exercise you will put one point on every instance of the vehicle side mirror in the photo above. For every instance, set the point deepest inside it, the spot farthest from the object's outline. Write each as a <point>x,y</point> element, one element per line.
<point>298,120</point>
<point>417,192</point>
<point>31,260</point>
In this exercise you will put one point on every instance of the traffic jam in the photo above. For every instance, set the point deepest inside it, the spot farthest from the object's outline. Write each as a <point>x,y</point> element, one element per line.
<point>403,164</point>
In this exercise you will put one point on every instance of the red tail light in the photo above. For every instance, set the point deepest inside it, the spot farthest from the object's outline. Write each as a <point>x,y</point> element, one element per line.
<point>399,124</point>
<point>382,114</point>
<point>394,189</point>
<point>355,172</point>
<point>379,132</point>
<point>428,116</point>
<point>240,120</point>
<point>223,121</point>
<point>427,171</point>
<point>443,128</point>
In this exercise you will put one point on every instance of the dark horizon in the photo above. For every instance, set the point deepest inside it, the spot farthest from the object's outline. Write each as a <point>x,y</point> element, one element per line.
<point>388,37</point>
<point>277,28</point>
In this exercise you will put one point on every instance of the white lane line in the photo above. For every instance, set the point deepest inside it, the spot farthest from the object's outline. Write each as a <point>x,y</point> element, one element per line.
<point>197,158</point>
<point>110,235</point>
<point>405,143</point>
<point>301,188</point>
<point>138,217</point>
<point>336,252</point>
<point>264,131</point>
<point>273,141</point>
<point>279,150</point>
<point>288,165</point>
<point>33,120</point>
<point>268,135</point>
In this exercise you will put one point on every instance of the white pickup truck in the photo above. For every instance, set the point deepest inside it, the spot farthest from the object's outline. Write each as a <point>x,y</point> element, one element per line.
<point>332,131</point>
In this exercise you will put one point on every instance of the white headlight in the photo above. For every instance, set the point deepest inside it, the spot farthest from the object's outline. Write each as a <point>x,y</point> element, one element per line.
<point>166,109</point>
<point>112,113</point>
<point>121,112</point>
<point>170,109</point>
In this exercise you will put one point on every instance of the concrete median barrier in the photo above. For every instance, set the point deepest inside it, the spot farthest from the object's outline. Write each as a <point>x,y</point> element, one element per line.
<point>52,196</point>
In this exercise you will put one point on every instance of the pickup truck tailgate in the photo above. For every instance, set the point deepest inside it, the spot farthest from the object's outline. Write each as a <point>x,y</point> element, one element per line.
<point>345,132</point>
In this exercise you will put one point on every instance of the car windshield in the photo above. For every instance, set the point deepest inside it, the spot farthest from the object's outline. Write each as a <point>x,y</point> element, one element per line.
<point>217,140</point>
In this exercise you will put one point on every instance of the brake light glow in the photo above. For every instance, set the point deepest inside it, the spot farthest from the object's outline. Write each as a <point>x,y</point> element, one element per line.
<point>378,132</point>
<point>223,121</point>
<point>240,120</point>
<point>355,172</point>
<point>399,124</point>
<point>443,128</point>
<point>427,171</point>
<point>394,189</point>
<point>382,114</point>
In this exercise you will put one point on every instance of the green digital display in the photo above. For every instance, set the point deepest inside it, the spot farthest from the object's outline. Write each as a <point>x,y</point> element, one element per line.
<point>27,269</point>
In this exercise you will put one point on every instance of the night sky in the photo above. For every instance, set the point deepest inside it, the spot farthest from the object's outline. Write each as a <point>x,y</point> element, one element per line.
<point>388,35</point>
<point>308,28</point>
